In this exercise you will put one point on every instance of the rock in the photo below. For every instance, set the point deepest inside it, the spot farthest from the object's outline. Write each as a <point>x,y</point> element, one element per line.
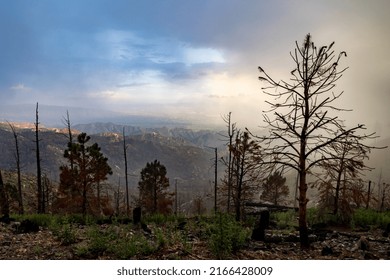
<point>362,244</point>
<point>326,251</point>
<point>145,228</point>
<point>320,230</point>
<point>181,225</point>
<point>273,238</point>
<point>292,238</point>
<point>312,238</point>
<point>5,243</point>
<point>27,226</point>
<point>318,226</point>
<point>6,219</point>
<point>370,256</point>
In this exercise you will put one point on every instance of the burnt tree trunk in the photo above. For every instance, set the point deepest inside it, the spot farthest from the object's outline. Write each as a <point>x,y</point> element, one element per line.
<point>40,192</point>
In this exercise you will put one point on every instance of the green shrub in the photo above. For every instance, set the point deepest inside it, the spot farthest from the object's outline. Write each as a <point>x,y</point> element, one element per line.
<point>43,220</point>
<point>131,246</point>
<point>81,220</point>
<point>158,219</point>
<point>161,219</point>
<point>67,235</point>
<point>160,236</point>
<point>285,220</point>
<point>226,236</point>
<point>125,249</point>
<point>370,218</point>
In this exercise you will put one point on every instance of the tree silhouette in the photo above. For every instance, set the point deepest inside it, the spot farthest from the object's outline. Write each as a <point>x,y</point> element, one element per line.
<point>126,172</point>
<point>40,191</point>
<point>301,126</point>
<point>343,171</point>
<point>77,185</point>
<point>274,189</point>
<point>66,121</point>
<point>245,173</point>
<point>153,189</point>
<point>231,131</point>
<point>18,169</point>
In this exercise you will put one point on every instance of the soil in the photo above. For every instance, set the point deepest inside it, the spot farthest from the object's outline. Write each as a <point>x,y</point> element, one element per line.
<point>327,243</point>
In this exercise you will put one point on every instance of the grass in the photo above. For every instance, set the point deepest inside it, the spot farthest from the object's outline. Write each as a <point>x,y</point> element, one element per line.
<point>220,235</point>
<point>226,236</point>
<point>285,220</point>
<point>370,218</point>
<point>360,218</point>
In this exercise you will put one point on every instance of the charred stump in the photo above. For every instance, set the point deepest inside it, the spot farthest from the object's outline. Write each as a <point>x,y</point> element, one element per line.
<point>261,225</point>
<point>137,215</point>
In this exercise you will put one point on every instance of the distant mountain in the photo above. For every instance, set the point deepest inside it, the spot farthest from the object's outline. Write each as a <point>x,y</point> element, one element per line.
<point>184,160</point>
<point>200,138</point>
<point>53,116</point>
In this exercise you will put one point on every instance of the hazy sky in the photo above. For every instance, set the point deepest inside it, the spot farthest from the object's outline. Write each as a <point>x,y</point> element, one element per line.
<point>194,59</point>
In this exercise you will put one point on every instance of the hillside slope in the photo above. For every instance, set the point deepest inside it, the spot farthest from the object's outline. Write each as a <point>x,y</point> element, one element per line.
<point>184,160</point>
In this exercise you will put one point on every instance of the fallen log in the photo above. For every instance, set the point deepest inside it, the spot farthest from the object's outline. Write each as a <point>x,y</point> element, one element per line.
<point>270,206</point>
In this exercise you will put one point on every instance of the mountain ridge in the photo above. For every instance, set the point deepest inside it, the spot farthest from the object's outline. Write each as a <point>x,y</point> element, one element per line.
<point>183,159</point>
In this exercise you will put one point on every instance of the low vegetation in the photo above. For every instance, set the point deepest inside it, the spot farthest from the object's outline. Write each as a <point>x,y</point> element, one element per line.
<point>91,238</point>
<point>177,237</point>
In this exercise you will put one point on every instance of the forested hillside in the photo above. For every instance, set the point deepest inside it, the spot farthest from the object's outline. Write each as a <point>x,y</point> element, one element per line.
<point>183,159</point>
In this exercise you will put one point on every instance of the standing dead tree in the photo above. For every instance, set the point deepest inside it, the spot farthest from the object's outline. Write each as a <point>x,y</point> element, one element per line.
<point>245,171</point>
<point>17,158</point>
<point>126,173</point>
<point>343,171</point>
<point>40,191</point>
<point>231,131</point>
<point>67,123</point>
<point>301,127</point>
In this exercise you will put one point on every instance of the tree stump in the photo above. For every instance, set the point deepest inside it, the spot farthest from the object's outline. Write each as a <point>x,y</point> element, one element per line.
<point>261,225</point>
<point>27,226</point>
<point>137,215</point>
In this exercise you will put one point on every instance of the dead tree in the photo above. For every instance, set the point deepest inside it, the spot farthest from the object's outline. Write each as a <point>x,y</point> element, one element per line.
<point>67,123</point>
<point>126,174</point>
<point>301,126</point>
<point>231,130</point>
<point>385,190</point>
<point>17,158</point>
<point>40,191</point>
<point>344,168</point>
<point>245,172</point>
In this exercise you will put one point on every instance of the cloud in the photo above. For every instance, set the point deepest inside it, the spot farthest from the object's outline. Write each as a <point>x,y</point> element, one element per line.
<point>20,88</point>
<point>200,55</point>
<point>143,51</point>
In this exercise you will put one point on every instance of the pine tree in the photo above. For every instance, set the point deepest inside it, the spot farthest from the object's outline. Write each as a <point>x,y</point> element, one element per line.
<point>275,189</point>
<point>78,184</point>
<point>153,189</point>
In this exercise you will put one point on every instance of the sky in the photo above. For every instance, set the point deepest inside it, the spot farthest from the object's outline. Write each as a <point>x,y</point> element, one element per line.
<point>194,60</point>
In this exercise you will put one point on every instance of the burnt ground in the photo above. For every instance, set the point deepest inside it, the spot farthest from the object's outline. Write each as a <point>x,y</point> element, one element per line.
<point>327,243</point>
